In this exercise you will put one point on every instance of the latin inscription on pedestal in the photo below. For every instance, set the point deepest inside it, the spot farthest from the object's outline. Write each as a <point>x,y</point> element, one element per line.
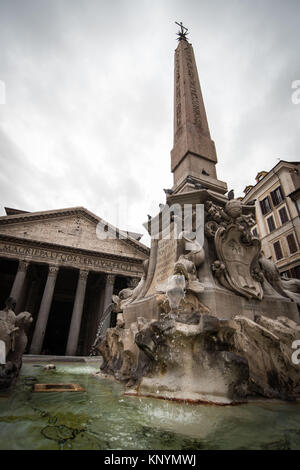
<point>166,257</point>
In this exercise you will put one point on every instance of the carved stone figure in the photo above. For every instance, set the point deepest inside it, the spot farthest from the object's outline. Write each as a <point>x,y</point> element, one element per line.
<point>291,287</point>
<point>128,295</point>
<point>13,335</point>
<point>287,287</point>
<point>8,328</point>
<point>190,306</point>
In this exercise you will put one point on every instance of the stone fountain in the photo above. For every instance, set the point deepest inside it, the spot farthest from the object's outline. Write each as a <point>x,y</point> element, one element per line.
<point>210,320</point>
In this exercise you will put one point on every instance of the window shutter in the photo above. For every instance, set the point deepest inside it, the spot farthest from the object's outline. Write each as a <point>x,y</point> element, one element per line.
<point>292,243</point>
<point>271,223</point>
<point>277,196</point>
<point>278,251</point>
<point>265,205</point>
<point>283,215</point>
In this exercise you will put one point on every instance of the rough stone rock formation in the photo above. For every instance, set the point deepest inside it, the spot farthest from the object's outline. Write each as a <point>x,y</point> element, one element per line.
<point>267,346</point>
<point>121,356</point>
<point>214,361</point>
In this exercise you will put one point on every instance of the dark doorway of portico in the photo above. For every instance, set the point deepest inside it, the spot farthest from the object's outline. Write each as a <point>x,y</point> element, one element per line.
<point>58,326</point>
<point>8,270</point>
<point>59,320</point>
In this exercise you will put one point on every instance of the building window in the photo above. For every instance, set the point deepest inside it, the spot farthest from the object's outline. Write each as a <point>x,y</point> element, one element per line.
<point>247,189</point>
<point>260,176</point>
<point>277,196</point>
<point>278,250</point>
<point>254,233</point>
<point>283,215</point>
<point>292,243</point>
<point>265,205</point>
<point>295,272</point>
<point>271,223</point>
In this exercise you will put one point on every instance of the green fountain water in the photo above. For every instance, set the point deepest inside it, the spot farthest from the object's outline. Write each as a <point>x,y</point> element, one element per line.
<point>103,418</point>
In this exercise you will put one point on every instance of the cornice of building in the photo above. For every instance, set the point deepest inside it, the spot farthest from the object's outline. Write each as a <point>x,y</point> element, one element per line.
<point>71,211</point>
<point>257,188</point>
<point>68,249</point>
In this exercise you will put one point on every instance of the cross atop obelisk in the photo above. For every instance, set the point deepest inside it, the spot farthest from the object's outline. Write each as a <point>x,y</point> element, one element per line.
<point>194,155</point>
<point>182,34</point>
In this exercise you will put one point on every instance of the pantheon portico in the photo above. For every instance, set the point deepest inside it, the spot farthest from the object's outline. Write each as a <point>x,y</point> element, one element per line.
<point>57,267</point>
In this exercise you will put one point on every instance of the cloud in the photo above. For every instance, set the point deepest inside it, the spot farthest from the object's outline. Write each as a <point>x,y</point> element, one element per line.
<point>89,98</point>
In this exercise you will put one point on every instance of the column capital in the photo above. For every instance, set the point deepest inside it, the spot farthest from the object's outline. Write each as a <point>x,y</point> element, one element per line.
<point>23,265</point>
<point>110,279</point>
<point>83,274</point>
<point>53,270</point>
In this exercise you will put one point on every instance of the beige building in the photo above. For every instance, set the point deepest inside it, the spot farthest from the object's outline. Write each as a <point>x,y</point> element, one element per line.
<point>58,267</point>
<point>276,196</point>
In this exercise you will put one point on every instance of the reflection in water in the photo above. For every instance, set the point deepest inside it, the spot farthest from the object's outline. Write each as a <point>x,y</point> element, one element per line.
<point>102,418</point>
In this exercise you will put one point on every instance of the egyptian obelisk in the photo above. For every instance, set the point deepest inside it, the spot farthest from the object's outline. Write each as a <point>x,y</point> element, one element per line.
<point>193,157</point>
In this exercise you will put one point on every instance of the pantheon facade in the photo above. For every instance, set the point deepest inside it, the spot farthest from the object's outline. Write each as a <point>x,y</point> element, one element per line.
<point>63,266</point>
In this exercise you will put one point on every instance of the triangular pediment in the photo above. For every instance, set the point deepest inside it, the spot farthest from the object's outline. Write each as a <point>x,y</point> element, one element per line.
<point>75,227</point>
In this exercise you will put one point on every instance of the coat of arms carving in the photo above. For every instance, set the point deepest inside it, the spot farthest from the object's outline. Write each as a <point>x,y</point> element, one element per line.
<point>237,250</point>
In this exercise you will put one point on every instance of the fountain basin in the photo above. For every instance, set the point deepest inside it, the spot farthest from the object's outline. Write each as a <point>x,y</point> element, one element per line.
<point>102,418</point>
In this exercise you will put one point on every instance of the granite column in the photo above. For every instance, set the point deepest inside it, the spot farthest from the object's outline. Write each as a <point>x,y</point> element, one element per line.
<point>109,288</point>
<point>77,314</point>
<point>19,281</point>
<point>41,324</point>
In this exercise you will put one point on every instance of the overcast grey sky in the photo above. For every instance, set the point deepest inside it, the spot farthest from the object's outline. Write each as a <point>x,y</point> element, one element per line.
<point>88,119</point>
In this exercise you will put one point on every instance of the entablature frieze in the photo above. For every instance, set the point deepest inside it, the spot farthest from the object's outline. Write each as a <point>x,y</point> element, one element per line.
<point>37,252</point>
